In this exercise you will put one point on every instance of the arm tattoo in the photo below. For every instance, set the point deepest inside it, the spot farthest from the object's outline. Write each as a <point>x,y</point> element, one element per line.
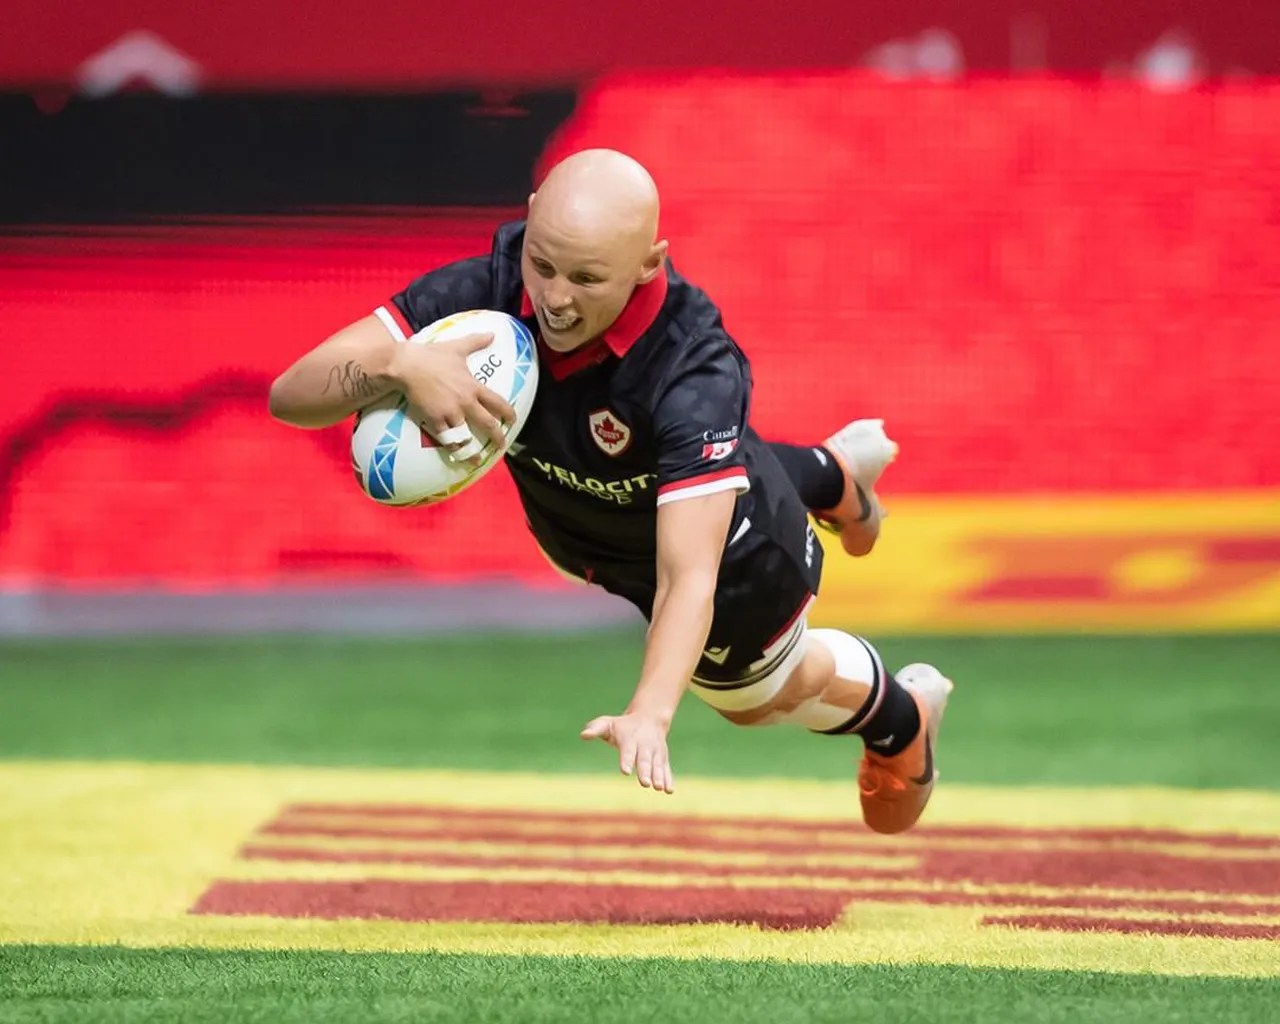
<point>352,380</point>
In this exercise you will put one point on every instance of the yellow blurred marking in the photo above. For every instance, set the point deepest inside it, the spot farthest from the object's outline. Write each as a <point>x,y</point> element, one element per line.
<point>893,861</point>
<point>263,870</point>
<point>118,853</point>
<point>1142,562</point>
<point>1156,571</point>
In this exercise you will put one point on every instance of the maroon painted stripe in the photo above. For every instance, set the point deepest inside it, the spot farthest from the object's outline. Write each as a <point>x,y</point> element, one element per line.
<point>1205,929</point>
<point>1075,869</point>
<point>661,833</point>
<point>1114,869</point>
<point>924,894</point>
<point>854,829</point>
<point>539,903</point>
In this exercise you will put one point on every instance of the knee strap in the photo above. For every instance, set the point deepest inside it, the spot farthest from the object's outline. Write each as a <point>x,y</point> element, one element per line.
<point>855,660</point>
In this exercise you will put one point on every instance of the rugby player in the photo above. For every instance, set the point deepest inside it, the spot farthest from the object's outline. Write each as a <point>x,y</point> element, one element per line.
<point>639,472</point>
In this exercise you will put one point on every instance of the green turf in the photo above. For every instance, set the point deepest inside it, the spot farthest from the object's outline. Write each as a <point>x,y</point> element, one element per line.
<point>107,985</point>
<point>1184,711</point>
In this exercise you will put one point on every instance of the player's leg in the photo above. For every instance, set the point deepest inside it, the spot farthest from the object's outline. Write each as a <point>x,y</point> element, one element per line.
<point>762,665</point>
<point>836,480</point>
<point>834,683</point>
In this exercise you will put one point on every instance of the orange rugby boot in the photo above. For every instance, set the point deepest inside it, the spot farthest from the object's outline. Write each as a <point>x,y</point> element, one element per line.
<point>862,450</point>
<point>895,789</point>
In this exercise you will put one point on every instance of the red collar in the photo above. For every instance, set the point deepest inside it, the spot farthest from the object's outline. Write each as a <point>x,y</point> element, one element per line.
<point>637,316</point>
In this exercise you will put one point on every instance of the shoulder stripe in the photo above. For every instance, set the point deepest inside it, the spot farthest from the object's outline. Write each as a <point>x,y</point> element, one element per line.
<point>734,479</point>
<point>393,320</point>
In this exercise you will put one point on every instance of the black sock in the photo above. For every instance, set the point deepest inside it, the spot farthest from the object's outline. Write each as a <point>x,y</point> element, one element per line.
<point>814,473</point>
<point>887,721</point>
<point>895,723</point>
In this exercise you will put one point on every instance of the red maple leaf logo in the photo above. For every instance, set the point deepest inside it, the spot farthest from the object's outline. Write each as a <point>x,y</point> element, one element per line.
<point>608,431</point>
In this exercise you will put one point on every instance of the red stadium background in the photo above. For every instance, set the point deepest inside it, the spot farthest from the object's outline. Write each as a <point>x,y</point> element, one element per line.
<point>396,44</point>
<point>1044,286</point>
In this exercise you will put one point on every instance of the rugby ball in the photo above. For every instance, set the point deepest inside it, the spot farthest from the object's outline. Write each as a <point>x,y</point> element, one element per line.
<point>396,463</point>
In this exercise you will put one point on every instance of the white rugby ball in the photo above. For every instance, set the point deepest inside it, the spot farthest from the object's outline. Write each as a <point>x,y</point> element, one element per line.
<point>396,463</point>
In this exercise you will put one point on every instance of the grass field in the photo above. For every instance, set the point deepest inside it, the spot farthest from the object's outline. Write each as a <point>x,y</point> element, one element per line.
<point>118,986</point>
<point>1083,714</point>
<point>1121,710</point>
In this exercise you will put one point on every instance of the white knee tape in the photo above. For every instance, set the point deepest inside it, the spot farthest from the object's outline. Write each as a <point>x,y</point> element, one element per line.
<point>857,661</point>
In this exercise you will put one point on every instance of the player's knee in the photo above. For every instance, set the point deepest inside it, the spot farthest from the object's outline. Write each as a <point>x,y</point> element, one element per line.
<point>850,657</point>
<point>820,689</point>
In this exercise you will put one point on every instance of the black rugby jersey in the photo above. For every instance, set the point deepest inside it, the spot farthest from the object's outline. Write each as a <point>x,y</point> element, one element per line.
<point>654,411</point>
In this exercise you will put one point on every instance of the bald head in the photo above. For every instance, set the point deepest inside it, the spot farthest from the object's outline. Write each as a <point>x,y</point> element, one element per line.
<point>591,239</point>
<point>599,195</point>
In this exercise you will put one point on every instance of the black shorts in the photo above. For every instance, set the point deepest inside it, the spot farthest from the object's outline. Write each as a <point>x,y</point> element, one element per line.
<point>769,573</point>
<point>765,585</point>
<point>760,596</point>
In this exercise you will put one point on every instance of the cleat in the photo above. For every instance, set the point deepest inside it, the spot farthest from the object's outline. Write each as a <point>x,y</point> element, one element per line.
<point>896,789</point>
<point>863,450</point>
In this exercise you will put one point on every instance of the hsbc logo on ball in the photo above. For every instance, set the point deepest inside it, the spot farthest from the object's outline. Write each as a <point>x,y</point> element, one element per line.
<point>611,435</point>
<point>717,450</point>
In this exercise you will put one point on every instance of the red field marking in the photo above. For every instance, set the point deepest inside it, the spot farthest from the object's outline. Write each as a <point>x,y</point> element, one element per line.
<point>1117,868</point>
<point>834,826</point>
<point>920,894</point>
<point>1078,870</point>
<point>533,903</point>
<point>1205,929</point>
<point>1110,870</point>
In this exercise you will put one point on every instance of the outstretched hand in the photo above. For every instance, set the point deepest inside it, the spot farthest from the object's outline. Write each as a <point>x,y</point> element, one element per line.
<point>642,747</point>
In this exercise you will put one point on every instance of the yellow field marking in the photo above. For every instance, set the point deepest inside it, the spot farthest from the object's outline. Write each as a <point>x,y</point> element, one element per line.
<point>118,853</point>
<point>1132,914</point>
<point>480,849</point>
<point>977,893</point>
<point>259,871</point>
<point>1151,556</point>
<point>869,933</point>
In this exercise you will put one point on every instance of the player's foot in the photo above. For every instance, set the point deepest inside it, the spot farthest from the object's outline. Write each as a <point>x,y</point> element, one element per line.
<point>895,789</point>
<point>863,450</point>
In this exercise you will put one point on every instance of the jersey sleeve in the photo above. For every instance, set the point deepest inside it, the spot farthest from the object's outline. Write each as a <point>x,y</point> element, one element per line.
<point>699,420</point>
<point>450,289</point>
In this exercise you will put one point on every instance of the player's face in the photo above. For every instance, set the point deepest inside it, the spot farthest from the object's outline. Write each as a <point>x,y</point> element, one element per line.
<point>578,284</point>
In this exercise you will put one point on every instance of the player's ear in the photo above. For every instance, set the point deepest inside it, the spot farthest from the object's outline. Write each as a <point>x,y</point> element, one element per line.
<point>531,196</point>
<point>653,262</point>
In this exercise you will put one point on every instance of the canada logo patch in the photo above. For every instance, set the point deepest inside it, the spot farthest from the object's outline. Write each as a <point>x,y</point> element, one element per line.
<point>717,450</point>
<point>611,435</point>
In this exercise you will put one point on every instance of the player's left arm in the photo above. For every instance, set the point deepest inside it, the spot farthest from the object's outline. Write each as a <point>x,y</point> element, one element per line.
<point>691,536</point>
<point>699,417</point>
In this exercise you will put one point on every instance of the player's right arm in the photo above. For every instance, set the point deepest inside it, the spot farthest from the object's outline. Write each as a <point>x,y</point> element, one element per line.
<point>363,363</point>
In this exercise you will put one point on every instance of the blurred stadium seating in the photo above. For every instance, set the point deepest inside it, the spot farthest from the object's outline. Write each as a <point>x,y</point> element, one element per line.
<point>1047,286</point>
